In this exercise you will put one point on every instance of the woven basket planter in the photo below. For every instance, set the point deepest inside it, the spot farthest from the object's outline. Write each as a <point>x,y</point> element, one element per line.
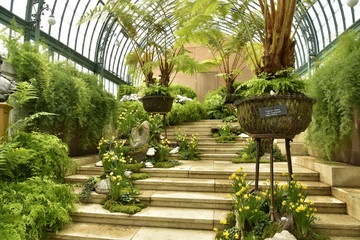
<point>297,119</point>
<point>157,104</point>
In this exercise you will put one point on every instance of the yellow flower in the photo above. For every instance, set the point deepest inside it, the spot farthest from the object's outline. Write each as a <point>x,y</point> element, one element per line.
<point>215,229</point>
<point>304,187</point>
<point>246,207</point>
<point>233,176</point>
<point>226,234</point>
<point>111,173</point>
<point>284,174</point>
<point>239,170</point>
<point>256,210</point>
<point>283,203</point>
<point>223,221</point>
<point>236,236</point>
<point>246,196</point>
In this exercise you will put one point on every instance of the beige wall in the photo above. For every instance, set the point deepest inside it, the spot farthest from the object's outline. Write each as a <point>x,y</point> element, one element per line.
<point>205,82</point>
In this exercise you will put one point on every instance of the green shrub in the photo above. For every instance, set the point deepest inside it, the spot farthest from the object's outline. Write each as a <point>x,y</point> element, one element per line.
<point>31,209</point>
<point>184,91</point>
<point>186,112</point>
<point>335,86</point>
<point>114,206</point>
<point>214,103</point>
<point>83,108</point>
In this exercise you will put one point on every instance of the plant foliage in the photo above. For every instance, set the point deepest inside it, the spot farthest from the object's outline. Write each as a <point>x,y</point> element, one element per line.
<point>335,86</point>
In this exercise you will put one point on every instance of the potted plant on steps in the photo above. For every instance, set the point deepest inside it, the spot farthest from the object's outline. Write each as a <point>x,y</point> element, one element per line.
<point>286,111</point>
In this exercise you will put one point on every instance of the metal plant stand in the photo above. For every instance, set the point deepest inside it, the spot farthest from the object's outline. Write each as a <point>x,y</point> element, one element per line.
<point>258,138</point>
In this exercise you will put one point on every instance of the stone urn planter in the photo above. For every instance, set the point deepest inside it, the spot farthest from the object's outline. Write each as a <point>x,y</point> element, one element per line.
<point>276,116</point>
<point>157,104</point>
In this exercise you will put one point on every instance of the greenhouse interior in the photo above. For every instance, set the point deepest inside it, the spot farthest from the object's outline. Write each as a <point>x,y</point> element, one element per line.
<point>180,119</point>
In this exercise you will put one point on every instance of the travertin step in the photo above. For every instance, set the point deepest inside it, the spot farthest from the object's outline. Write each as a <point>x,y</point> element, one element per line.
<point>215,185</point>
<point>165,217</point>
<point>211,200</point>
<point>94,231</point>
<point>337,225</point>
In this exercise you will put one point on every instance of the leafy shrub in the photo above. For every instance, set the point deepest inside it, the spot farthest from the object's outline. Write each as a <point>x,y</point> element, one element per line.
<point>83,108</point>
<point>178,89</point>
<point>186,112</point>
<point>336,87</point>
<point>31,209</point>
<point>36,154</point>
<point>215,107</point>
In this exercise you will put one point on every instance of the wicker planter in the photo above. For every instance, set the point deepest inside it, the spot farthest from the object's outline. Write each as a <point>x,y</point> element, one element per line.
<point>157,104</point>
<point>295,121</point>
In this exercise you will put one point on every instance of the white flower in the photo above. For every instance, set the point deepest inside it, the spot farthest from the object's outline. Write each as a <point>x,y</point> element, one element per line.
<point>132,97</point>
<point>283,219</point>
<point>180,98</point>
<point>175,150</point>
<point>127,173</point>
<point>151,152</point>
<point>243,135</point>
<point>272,92</point>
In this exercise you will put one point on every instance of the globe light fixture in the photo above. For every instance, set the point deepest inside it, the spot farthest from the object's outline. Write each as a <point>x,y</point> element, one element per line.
<point>352,3</point>
<point>52,20</point>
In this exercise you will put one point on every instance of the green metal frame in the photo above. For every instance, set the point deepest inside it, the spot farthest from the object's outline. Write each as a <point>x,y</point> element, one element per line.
<point>57,46</point>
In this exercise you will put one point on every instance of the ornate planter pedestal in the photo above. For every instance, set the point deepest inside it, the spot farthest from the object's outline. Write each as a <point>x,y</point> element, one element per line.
<point>4,118</point>
<point>274,117</point>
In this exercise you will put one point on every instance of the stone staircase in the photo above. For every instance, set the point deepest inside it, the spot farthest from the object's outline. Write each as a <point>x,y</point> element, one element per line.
<point>186,202</point>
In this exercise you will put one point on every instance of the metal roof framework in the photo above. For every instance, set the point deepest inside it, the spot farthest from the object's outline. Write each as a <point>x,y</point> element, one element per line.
<point>100,46</point>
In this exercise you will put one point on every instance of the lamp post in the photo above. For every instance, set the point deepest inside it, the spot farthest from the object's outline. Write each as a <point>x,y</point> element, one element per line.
<point>36,17</point>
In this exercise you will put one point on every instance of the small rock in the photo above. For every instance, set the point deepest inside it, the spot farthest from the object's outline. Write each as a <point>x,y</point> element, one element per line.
<point>149,165</point>
<point>103,186</point>
<point>284,235</point>
<point>243,135</point>
<point>140,136</point>
<point>99,164</point>
<point>175,150</point>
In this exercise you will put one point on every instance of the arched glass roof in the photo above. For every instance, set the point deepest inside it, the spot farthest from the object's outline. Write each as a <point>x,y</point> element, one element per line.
<point>100,46</point>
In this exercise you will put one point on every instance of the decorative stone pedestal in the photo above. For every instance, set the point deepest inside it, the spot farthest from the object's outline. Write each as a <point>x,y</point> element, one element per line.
<point>4,118</point>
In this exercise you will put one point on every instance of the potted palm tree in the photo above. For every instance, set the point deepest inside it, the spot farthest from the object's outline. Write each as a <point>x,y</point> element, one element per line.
<point>149,26</point>
<point>275,103</point>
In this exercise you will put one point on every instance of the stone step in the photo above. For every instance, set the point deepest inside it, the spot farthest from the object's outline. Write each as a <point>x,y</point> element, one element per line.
<point>164,217</point>
<point>214,185</point>
<point>94,231</point>
<point>211,200</point>
<point>217,171</point>
<point>211,170</point>
<point>213,156</point>
<point>209,150</point>
<point>333,225</point>
<point>88,159</point>
<point>207,140</point>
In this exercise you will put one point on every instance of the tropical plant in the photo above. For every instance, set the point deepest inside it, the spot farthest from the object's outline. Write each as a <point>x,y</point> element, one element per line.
<point>154,20</point>
<point>204,24</point>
